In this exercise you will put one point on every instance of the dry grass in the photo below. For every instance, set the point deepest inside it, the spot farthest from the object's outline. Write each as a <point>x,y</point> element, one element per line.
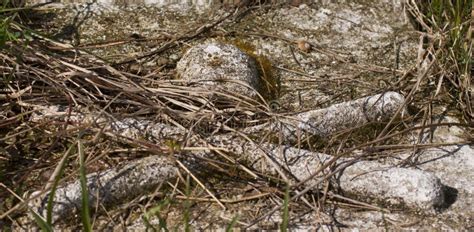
<point>51,73</point>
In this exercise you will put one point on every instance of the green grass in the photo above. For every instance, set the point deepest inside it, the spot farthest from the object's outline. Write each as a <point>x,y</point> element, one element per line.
<point>156,211</point>
<point>46,224</point>
<point>232,224</point>
<point>85,215</point>
<point>286,214</point>
<point>60,171</point>
<point>447,22</point>
<point>7,16</point>
<point>41,222</point>
<point>11,26</point>
<point>448,19</point>
<point>451,19</point>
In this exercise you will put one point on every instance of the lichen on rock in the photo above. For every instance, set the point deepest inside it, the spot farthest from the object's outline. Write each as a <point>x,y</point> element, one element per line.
<point>215,66</point>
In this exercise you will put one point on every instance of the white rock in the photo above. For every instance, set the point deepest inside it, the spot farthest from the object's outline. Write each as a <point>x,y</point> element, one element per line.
<point>349,114</point>
<point>111,187</point>
<point>416,189</point>
<point>453,164</point>
<point>338,117</point>
<point>216,65</point>
<point>399,186</point>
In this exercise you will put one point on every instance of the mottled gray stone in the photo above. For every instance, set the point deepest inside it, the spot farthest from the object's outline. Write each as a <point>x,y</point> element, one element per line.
<point>416,189</point>
<point>345,115</point>
<point>338,117</point>
<point>216,65</point>
<point>453,164</point>
<point>111,187</point>
<point>400,186</point>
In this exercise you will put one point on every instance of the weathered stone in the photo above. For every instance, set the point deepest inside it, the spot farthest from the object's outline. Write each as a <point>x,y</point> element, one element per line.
<point>359,31</point>
<point>111,187</point>
<point>399,186</point>
<point>338,117</point>
<point>350,114</point>
<point>412,188</point>
<point>416,189</point>
<point>453,164</point>
<point>216,65</point>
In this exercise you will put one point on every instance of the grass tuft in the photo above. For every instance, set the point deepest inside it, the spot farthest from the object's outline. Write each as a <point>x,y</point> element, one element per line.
<point>286,213</point>
<point>156,211</point>
<point>85,214</point>
<point>41,222</point>
<point>7,16</point>
<point>232,223</point>
<point>56,177</point>
<point>446,26</point>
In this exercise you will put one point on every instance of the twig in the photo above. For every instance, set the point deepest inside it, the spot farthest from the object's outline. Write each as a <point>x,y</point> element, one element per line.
<point>201,184</point>
<point>173,43</point>
<point>307,189</point>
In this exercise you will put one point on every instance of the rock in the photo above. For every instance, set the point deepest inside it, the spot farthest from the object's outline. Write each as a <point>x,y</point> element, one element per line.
<point>416,189</point>
<point>338,117</point>
<point>376,108</point>
<point>216,65</point>
<point>453,164</point>
<point>111,187</point>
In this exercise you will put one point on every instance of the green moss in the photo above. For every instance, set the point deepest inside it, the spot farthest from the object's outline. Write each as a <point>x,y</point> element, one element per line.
<point>270,88</point>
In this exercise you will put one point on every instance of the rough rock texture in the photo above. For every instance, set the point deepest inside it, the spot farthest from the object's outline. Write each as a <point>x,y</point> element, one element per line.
<point>412,188</point>
<point>338,117</point>
<point>110,187</point>
<point>346,115</point>
<point>398,186</point>
<point>356,40</point>
<point>217,65</point>
<point>454,166</point>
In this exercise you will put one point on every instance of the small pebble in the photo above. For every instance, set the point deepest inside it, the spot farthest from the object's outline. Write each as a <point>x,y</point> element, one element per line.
<point>303,45</point>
